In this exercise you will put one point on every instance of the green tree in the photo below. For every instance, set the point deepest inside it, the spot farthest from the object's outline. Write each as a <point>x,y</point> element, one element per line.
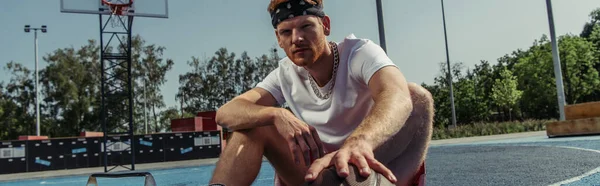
<point>191,87</point>
<point>483,77</point>
<point>504,91</point>
<point>214,81</point>
<point>169,114</point>
<point>71,90</point>
<point>535,74</point>
<point>149,69</point>
<point>591,32</point>
<point>441,95</point>
<point>18,117</point>
<point>589,26</point>
<point>578,59</point>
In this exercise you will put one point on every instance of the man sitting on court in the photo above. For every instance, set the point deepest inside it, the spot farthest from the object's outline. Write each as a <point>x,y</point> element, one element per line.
<point>349,104</point>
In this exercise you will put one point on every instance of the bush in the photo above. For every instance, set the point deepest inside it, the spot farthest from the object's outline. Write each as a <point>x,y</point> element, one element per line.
<point>484,129</point>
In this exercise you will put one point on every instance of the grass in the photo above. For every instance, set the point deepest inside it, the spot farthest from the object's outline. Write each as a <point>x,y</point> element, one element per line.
<point>484,129</point>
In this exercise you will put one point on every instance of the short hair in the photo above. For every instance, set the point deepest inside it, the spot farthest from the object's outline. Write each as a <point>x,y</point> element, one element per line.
<point>275,3</point>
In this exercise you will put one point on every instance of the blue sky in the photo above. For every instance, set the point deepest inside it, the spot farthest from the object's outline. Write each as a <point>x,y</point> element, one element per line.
<point>477,30</point>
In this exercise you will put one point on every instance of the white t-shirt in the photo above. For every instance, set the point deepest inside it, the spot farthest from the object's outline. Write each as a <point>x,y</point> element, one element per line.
<point>336,117</point>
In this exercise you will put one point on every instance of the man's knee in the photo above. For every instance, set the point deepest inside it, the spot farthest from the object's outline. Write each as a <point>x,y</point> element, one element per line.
<point>254,135</point>
<point>422,100</point>
<point>423,109</point>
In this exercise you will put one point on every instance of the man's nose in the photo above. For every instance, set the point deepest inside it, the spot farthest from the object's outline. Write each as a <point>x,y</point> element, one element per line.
<point>297,36</point>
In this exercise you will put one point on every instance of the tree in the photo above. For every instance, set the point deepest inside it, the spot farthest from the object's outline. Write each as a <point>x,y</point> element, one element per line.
<point>71,90</point>
<point>578,59</point>
<point>589,26</point>
<point>535,74</point>
<point>169,114</point>
<point>214,81</point>
<point>504,91</point>
<point>441,95</point>
<point>191,87</point>
<point>150,69</point>
<point>18,103</point>
<point>483,77</point>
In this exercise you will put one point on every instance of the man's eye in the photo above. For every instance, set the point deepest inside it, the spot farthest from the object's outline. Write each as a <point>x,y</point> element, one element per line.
<point>306,26</point>
<point>284,32</point>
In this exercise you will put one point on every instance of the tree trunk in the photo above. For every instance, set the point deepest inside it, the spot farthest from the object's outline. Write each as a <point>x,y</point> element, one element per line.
<point>501,113</point>
<point>155,120</point>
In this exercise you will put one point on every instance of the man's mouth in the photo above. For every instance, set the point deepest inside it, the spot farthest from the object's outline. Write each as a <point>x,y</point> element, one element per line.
<point>300,50</point>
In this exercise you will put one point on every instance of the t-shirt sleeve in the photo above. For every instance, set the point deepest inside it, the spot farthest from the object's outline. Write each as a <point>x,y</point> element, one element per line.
<point>272,84</point>
<point>367,60</point>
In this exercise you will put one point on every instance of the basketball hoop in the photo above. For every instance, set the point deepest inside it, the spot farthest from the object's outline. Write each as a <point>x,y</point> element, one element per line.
<point>117,8</point>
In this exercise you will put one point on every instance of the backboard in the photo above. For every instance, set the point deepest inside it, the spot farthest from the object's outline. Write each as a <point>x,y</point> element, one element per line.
<point>139,8</point>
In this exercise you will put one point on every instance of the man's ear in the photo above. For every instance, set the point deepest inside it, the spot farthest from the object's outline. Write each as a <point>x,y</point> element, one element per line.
<point>326,25</point>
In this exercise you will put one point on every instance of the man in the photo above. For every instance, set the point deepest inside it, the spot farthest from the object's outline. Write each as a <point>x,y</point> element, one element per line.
<point>349,104</point>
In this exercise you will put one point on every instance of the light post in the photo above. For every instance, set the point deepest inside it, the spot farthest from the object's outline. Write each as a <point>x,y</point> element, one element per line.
<point>37,95</point>
<point>380,25</point>
<point>560,92</point>
<point>449,69</point>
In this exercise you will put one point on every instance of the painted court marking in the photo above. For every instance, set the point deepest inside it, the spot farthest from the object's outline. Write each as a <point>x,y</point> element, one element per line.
<point>576,178</point>
<point>534,139</point>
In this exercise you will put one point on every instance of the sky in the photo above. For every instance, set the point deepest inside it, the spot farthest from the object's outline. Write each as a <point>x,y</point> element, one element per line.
<point>477,30</point>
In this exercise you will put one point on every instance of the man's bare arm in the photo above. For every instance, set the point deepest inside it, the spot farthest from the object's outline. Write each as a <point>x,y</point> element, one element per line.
<point>251,109</point>
<point>392,108</point>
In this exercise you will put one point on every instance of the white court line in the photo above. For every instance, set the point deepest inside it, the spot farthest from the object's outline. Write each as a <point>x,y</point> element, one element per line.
<point>61,182</point>
<point>577,178</point>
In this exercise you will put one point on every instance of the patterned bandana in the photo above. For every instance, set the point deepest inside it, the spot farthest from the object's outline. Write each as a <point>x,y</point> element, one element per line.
<point>294,8</point>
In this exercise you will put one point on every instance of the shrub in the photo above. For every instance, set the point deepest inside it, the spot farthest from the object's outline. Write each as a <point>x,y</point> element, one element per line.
<point>493,128</point>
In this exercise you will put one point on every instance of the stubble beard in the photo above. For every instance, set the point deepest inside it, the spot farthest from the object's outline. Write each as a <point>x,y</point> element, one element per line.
<point>309,58</point>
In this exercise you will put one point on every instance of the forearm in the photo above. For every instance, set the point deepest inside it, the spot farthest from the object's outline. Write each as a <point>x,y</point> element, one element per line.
<point>240,114</point>
<point>386,118</point>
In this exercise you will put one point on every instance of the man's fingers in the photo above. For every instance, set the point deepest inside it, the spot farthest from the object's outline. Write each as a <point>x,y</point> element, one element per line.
<point>312,144</point>
<point>316,168</point>
<point>304,149</point>
<point>341,163</point>
<point>361,163</point>
<point>315,135</point>
<point>379,167</point>
<point>296,154</point>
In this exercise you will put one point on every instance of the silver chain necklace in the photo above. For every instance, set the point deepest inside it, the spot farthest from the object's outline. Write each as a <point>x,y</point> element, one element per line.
<point>313,83</point>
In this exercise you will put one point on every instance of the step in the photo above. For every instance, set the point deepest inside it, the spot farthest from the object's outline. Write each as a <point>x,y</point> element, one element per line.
<point>587,126</point>
<point>582,110</point>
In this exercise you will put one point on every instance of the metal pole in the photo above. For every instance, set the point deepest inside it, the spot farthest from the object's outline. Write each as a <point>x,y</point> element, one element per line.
<point>145,107</point>
<point>130,91</point>
<point>37,94</point>
<point>449,69</point>
<point>381,26</point>
<point>556,58</point>
<point>103,113</point>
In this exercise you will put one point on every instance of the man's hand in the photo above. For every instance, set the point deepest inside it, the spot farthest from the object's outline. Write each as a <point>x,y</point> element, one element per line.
<point>302,139</point>
<point>357,152</point>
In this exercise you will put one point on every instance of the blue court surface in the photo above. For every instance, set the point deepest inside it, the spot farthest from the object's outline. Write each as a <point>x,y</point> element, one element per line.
<point>572,161</point>
<point>192,176</point>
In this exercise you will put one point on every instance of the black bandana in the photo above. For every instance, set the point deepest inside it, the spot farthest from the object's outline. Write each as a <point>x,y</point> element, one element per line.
<point>294,8</point>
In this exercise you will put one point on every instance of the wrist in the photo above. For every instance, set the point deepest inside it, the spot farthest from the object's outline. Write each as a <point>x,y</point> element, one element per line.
<point>361,140</point>
<point>272,114</point>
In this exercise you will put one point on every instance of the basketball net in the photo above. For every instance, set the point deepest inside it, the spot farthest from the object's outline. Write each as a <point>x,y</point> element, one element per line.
<point>118,8</point>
